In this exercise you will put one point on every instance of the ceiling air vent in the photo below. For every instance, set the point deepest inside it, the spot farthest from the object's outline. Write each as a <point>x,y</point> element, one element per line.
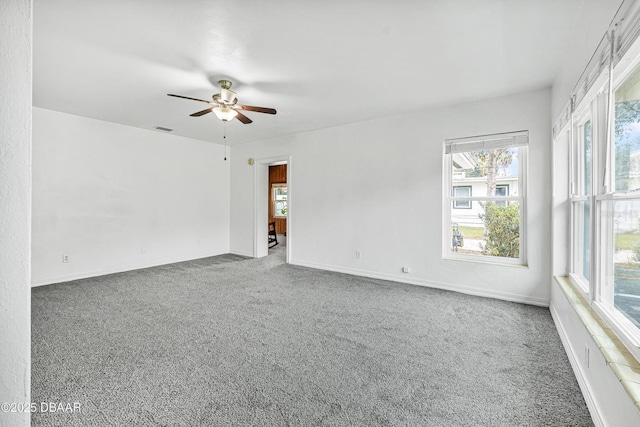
<point>164,129</point>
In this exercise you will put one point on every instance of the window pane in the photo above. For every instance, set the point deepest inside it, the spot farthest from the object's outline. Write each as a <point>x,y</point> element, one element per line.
<point>279,200</point>
<point>493,168</point>
<point>502,225</point>
<point>586,239</point>
<point>586,155</point>
<point>581,224</point>
<point>627,134</point>
<point>280,208</point>
<point>626,260</point>
<point>280,193</point>
<point>492,230</point>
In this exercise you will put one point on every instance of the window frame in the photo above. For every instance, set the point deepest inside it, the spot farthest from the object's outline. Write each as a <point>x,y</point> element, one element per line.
<point>578,197</point>
<point>520,198</point>
<point>626,331</point>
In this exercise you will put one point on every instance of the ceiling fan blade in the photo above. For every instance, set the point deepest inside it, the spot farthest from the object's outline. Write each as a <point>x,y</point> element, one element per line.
<point>244,119</point>
<point>201,113</point>
<point>257,109</point>
<point>193,99</point>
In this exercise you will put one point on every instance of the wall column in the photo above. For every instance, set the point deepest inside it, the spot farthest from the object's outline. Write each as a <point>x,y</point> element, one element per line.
<point>15,206</point>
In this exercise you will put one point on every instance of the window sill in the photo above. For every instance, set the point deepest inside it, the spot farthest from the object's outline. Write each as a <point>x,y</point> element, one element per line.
<point>486,260</point>
<point>622,363</point>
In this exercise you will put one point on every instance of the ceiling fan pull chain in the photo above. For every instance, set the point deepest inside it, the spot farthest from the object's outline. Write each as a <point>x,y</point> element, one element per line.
<point>225,142</point>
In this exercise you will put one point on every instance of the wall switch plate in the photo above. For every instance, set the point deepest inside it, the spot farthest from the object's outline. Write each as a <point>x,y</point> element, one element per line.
<point>358,255</point>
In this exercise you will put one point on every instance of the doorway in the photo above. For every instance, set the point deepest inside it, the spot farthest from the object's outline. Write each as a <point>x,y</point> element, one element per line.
<point>273,204</point>
<point>278,203</point>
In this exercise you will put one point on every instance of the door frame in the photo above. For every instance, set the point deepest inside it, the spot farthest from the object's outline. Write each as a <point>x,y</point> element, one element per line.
<point>261,206</point>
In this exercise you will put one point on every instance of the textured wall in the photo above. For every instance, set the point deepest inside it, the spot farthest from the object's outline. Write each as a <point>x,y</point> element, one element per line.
<point>15,206</point>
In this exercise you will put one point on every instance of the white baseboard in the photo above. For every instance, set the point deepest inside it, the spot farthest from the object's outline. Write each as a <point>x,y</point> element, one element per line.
<point>121,269</point>
<point>242,253</point>
<point>427,283</point>
<point>573,360</point>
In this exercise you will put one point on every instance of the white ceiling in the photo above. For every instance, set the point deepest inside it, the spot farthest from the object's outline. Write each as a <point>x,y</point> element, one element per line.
<point>320,64</point>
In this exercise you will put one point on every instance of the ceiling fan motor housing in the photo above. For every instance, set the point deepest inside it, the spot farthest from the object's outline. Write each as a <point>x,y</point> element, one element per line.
<point>227,96</point>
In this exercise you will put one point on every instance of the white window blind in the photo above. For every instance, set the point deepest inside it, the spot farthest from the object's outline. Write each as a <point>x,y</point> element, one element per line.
<point>488,142</point>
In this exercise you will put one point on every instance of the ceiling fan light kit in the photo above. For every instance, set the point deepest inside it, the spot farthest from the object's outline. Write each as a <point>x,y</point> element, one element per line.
<point>225,105</point>
<point>224,113</point>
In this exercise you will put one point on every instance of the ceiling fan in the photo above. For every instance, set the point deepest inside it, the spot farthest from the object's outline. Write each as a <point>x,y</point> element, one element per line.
<point>225,105</point>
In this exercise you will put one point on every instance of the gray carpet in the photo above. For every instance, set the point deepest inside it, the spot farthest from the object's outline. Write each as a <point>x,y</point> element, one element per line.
<point>231,341</point>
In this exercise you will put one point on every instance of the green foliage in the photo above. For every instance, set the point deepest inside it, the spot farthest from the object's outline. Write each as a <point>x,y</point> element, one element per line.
<point>502,222</point>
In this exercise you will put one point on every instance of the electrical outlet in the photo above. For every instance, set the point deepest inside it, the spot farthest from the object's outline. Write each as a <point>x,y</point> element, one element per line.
<point>65,258</point>
<point>358,255</point>
<point>405,269</point>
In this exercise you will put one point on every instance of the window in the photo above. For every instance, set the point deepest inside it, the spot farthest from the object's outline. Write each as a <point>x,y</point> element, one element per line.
<point>462,191</point>
<point>485,212</point>
<point>619,210</point>
<point>279,200</point>
<point>502,190</point>
<point>605,202</point>
<point>581,201</point>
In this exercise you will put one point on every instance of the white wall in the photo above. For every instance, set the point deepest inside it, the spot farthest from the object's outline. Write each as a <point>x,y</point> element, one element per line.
<point>560,230</point>
<point>115,198</point>
<point>608,402</point>
<point>15,207</point>
<point>385,177</point>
